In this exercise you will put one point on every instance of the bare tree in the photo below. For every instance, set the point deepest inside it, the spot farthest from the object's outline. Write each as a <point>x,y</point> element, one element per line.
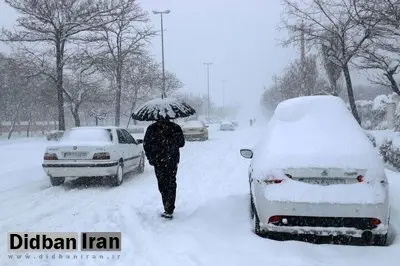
<point>299,73</point>
<point>142,82</point>
<point>383,53</point>
<point>82,83</point>
<point>19,92</point>
<point>116,43</point>
<point>333,71</point>
<point>387,62</point>
<point>56,23</point>
<point>344,27</point>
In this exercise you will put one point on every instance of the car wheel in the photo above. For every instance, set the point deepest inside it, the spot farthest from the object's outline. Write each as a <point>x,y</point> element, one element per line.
<point>57,181</point>
<point>118,178</point>
<point>380,240</point>
<point>141,164</point>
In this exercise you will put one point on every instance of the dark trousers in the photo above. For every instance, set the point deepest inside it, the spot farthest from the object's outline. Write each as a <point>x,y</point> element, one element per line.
<point>166,177</point>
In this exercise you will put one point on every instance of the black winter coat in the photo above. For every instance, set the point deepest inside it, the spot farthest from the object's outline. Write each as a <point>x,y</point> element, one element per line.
<point>162,141</point>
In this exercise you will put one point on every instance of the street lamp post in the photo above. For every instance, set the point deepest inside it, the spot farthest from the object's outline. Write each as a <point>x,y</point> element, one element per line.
<point>223,96</point>
<point>208,89</point>
<point>163,95</point>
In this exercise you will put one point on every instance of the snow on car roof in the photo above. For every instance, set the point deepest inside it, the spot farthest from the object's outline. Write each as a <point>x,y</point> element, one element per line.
<point>88,134</point>
<point>314,131</point>
<point>96,127</point>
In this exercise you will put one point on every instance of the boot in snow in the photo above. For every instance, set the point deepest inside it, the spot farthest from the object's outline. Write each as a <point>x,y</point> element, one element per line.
<point>167,215</point>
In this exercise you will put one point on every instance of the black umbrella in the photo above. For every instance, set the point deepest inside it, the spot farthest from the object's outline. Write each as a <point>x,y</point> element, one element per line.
<point>165,108</point>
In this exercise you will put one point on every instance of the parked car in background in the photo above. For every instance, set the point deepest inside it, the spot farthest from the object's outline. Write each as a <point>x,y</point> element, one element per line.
<point>55,135</point>
<point>317,175</point>
<point>195,130</point>
<point>94,152</point>
<point>227,126</point>
<point>235,123</point>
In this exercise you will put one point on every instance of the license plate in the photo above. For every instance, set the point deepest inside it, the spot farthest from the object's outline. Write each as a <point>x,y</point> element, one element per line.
<point>324,182</point>
<point>75,155</point>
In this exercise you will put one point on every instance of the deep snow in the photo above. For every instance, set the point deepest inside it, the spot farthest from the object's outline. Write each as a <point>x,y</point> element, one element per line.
<point>211,226</point>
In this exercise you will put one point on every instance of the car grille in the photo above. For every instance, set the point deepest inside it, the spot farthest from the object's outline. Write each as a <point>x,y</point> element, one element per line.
<point>313,221</point>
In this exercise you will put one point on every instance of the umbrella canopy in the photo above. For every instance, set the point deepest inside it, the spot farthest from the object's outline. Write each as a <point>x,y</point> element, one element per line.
<point>166,108</point>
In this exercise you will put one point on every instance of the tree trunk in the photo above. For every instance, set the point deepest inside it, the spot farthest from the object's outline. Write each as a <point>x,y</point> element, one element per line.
<point>350,93</point>
<point>75,114</point>
<point>118,96</point>
<point>10,132</point>
<point>29,125</point>
<point>132,110</point>
<point>334,88</point>
<point>59,84</point>
<point>77,120</point>
<point>393,83</point>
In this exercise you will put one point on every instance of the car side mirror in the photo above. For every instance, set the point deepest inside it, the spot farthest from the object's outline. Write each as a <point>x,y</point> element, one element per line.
<point>139,141</point>
<point>246,153</point>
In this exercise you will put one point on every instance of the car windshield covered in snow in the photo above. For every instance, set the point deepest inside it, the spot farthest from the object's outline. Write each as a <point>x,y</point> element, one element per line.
<point>88,135</point>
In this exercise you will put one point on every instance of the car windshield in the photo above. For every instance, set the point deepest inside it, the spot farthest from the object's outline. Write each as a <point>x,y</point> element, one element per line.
<point>193,123</point>
<point>88,135</point>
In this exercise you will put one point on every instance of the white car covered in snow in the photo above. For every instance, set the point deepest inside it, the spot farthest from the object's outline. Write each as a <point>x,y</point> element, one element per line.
<point>227,126</point>
<point>195,130</point>
<point>93,152</point>
<point>315,173</point>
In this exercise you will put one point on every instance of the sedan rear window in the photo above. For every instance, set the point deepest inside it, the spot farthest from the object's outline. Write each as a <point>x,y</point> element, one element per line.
<point>193,124</point>
<point>90,135</point>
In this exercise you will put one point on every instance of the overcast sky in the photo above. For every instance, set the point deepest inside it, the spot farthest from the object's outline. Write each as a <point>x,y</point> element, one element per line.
<point>239,37</point>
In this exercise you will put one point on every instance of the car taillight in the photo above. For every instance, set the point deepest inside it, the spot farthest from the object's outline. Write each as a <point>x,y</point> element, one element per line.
<point>274,219</point>
<point>360,178</point>
<point>50,156</point>
<point>273,181</point>
<point>374,221</point>
<point>101,156</point>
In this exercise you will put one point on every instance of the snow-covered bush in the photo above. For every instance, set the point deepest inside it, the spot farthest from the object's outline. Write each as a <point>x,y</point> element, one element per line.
<point>373,113</point>
<point>390,153</point>
<point>54,135</point>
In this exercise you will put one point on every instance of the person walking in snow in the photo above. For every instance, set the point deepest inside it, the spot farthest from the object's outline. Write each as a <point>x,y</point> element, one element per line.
<point>161,144</point>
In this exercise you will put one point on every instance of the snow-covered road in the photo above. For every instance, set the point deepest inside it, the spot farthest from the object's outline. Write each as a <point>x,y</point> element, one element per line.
<point>211,225</point>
